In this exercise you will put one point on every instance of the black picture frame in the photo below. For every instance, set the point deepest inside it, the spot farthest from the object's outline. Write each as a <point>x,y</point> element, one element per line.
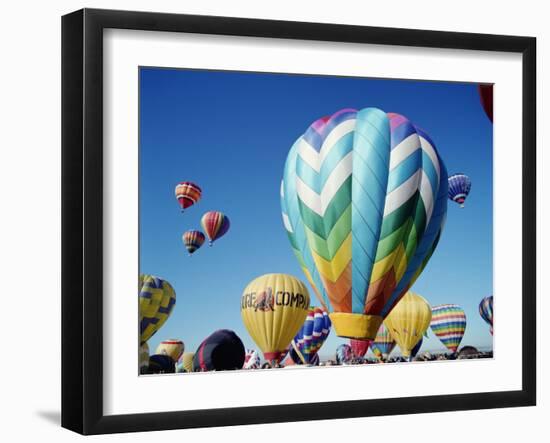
<point>82,218</point>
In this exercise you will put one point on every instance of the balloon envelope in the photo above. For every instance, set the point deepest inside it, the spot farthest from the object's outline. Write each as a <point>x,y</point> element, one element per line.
<point>273,308</point>
<point>185,362</point>
<point>486,311</point>
<point>252,359</point>
<point>383,343</point>
<point>449,324</point>
<point>215,225</point>
<point>312,334</point>
<point>156,302</point>
<point>161,364</point>
<point>459,188</point>
<point>222,350</point>
<point>344,354</point>
<point>193,240</point>
<point>187,194</point>
<point>143,358</point>
<point>364,198</point>
<point>408,321</point>
<point>172,347</point>
<point>359,347</point>
<point>416,348</point>
<point>486,98</point>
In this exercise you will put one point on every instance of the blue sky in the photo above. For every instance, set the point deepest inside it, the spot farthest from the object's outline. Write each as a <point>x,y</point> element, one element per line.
<point>230,133</point>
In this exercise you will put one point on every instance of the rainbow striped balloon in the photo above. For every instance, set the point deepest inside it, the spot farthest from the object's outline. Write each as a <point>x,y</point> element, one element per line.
<point>449,324</point>
<point>364,199</point>
<point>383,344</point>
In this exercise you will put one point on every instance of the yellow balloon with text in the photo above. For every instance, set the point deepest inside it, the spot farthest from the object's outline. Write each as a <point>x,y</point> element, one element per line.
<point>408,321</point>
<point>273,308</point>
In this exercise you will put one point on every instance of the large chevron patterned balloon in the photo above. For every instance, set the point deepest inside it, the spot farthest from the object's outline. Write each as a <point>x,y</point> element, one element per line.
<point>364,199</point>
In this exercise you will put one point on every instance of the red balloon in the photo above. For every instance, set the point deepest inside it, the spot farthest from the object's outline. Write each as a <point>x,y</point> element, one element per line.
<point>359,347</point>
<point>486,97</point>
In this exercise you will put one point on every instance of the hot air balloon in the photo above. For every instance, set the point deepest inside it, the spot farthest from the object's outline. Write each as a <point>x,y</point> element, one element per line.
<point>311,335</point>
<point>383,343</point>
<point>273,308</point>
<point>344,354</point>
<point>187,194</point>
<point>161,364</point>
<point>185,362</point>
<point>416,348</point>
<point>486,98</point>
<point>252,359</point>
<point>449,324</point>
<point>143,358</point>
<point>486,311</point>
<point>364,198</point>
<point>359,347</point>
<point>215,225</point>
<point>459,188</point>
<point>156,302</point>
<point>221,351</point>
<point>193,240</point>
<point>408,321</point>
<point>172,347</point>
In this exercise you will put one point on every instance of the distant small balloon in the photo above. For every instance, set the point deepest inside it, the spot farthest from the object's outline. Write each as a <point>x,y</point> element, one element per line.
<point>187,194</point>
<point>193,240</point>
<point>459,188</point>
<point>486,311</point>
<point>215,225</point>
<point>172,347</point>
<point>449,324</point>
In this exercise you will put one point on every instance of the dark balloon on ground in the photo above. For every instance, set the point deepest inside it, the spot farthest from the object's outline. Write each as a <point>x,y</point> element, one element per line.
<point>161,364</point>
<point>223,350</point>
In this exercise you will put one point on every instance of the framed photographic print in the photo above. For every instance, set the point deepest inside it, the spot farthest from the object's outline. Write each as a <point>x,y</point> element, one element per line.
<point>253,207</point>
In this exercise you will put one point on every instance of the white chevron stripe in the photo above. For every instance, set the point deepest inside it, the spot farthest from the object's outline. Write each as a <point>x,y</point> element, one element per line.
<point>401,194</point>
<point>336,134</point>
<point>319,203</point>
<point>337,177</point>
<point>287,224</point>
<point>309,155</point>
<point>282,189</point>
<point>315,159</point>
<point>426,193</point>
<point>428,149</point>
<point>403,150</point>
